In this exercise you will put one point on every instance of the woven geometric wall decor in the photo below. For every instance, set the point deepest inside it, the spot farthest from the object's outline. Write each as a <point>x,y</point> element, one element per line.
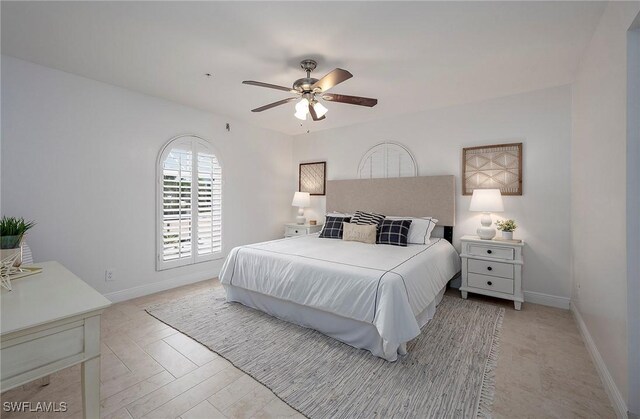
<point>312,178</point>
<point>492,167</point>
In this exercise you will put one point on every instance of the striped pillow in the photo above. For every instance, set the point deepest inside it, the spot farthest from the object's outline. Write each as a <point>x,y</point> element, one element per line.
<point>367,218</point>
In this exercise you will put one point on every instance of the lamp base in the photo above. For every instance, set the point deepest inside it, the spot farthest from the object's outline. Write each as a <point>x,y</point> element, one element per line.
<point>486,232</point>
<point>300,219</point>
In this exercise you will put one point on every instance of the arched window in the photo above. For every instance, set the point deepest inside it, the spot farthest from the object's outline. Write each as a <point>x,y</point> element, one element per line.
<point>387,160</point>
<point>189,203</point>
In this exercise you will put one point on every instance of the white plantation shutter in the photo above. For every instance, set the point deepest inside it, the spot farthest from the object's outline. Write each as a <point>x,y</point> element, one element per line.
<point>387,160</point>
<point>189,203</point>
<point>209,222</point>
<point>177,174</point>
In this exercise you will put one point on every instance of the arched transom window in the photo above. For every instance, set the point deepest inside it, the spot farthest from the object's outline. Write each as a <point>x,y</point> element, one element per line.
<point>387,160</point>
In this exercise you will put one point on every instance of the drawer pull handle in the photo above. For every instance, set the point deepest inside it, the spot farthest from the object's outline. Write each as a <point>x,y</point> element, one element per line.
<point>489,251</point>
<point>489,283</point>
<point>489,268</point>
<point>296,231</point>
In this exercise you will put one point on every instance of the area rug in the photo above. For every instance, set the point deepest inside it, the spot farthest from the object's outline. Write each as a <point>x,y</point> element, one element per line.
<point>448,372</point>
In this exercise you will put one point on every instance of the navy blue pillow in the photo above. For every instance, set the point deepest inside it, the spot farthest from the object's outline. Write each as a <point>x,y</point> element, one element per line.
<point>333,227</point>
<point>394,232</point>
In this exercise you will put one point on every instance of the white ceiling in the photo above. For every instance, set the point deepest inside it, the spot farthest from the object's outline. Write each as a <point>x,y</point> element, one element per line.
<point>411,56</point>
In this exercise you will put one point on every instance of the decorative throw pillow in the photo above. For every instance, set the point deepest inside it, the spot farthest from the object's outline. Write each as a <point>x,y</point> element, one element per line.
<point>364,218</point>
<point>333,227</point>
<point>360,233</point>
<point>394,232</point>
<point>421,228</point>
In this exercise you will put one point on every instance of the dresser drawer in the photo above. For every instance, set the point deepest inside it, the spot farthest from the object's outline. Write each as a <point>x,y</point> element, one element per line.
<point>491,251</point>
<point>485,267</point>
<point>295,231</point>
<point>492,283</point>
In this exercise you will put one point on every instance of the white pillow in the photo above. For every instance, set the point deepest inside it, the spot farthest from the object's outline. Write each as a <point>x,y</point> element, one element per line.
<point>420,229</point>
<point>338,214</point>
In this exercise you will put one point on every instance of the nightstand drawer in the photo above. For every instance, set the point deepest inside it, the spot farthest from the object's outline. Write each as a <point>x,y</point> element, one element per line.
<point>485,267</point>
<point>492,283</point>
<point>491,251</point>
<point>295,231</point>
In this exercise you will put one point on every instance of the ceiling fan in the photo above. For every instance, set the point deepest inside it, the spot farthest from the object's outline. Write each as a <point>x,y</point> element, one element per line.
<point>308,91</point>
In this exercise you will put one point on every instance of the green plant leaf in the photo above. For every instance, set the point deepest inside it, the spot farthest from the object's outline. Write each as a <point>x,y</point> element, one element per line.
<point>11,231</point>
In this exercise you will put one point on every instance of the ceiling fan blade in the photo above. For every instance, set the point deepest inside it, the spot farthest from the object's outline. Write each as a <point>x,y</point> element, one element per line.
<point>314,115</point>
<point>335,77</point>
<point>274,104</point>
<point>351,100</point>
<point>270,86</point>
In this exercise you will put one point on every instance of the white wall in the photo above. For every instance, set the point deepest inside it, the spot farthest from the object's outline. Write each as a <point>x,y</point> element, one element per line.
<point>79,157</point>
<point>599,193</point>
<point>633,209</point>
<point>541,120</point>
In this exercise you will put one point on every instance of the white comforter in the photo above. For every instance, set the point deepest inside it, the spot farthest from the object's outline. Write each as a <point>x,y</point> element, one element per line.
<point>380,284</point>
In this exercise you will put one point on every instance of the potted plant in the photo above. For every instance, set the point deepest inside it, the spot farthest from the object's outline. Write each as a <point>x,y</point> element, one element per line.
<point>12,230</point>
<point>507,227</point>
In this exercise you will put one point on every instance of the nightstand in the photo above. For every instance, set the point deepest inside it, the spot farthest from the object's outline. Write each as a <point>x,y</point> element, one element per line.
<point>294,229</point>
<point>492,267</point>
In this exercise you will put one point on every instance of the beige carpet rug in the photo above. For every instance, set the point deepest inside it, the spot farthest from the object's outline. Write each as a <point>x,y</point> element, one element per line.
<point>449,371</point>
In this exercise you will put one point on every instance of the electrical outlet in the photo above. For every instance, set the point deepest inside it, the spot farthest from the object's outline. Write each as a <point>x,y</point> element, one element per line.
<point>109,275</point>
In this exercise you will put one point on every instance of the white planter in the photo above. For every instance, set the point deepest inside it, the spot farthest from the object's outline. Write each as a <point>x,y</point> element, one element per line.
<point>507,235</point>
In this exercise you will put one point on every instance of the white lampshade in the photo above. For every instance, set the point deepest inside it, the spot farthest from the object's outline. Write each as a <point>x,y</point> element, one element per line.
<point>302,108</point>
<point>301,199</point>
<point>486,200</point>
<point>320,109</point>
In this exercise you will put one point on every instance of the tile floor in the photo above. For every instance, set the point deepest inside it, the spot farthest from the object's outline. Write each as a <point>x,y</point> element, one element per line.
<point>150,370</point>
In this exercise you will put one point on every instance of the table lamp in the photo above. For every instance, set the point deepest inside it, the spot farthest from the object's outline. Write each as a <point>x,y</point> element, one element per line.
<point>301,200</point>
<point>486,201</point>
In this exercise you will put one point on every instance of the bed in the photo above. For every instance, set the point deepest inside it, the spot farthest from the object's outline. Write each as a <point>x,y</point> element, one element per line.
<point>374,297</point>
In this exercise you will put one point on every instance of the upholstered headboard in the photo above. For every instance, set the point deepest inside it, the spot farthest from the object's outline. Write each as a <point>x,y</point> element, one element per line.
<point>419,196</point>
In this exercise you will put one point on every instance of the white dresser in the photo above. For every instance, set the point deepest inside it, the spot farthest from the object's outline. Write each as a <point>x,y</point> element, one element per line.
<point>492,267</point>
<point>294,229</point>
<point>51,321</point>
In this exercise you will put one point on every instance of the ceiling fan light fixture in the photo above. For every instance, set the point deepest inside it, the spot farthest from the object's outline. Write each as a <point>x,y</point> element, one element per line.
<point>308,90</point>
<point>302,108</point>
<point>320,109</point>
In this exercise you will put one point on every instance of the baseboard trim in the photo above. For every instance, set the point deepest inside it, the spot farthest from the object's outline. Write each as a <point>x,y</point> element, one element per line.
<point>609,385</point>
<point>142,290</point>
<point>546,299</point>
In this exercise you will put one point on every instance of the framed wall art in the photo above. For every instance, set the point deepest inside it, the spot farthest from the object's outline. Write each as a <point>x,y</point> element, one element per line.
<point>312,178</point>
<point>496,166</point>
